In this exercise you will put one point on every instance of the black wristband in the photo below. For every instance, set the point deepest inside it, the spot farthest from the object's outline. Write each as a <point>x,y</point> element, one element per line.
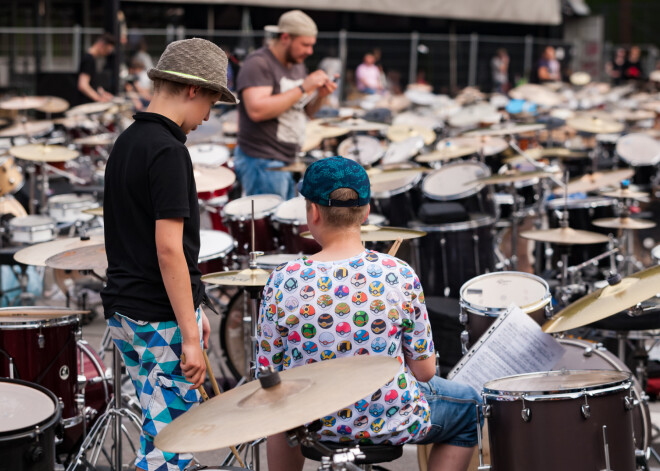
<point>302,89</point>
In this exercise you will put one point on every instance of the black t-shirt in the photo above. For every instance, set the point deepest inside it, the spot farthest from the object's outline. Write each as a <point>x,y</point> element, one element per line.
<point>88,66</point>
<point>149,176</point>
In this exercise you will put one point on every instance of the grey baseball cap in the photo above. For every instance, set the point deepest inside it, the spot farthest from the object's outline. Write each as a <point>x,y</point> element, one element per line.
<point>294,22</point>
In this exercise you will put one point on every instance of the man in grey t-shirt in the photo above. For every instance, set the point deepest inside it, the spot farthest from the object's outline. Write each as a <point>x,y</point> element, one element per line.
<point>275,93</point>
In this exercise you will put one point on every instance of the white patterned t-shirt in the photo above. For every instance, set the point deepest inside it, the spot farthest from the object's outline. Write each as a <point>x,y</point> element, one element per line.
<point>371,304</point>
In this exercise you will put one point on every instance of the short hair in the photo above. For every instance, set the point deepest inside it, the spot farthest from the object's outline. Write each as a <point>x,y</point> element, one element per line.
<point>341,217</point>
<point>106,38</point>
<point>176,88</point>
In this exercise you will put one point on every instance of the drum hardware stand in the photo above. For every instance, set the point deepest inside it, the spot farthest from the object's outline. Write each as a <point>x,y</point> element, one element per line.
<point>480,440</point>
<point>342,459</point>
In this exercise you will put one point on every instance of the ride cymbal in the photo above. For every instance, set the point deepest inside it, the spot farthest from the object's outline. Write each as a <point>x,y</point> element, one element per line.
<point>304,394</point>
<point>38,254</point>
<point>91,257</point>
<point>43,153</point>
<point>606,301</point>
<point>597,180</point>
<point>247,277</point>
<point>565,236</point>
<point>624,223</point>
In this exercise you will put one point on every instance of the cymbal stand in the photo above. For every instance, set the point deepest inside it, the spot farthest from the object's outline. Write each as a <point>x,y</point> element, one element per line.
<point>342,459</point>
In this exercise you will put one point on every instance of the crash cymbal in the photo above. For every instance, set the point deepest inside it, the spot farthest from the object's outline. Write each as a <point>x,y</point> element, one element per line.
<point>537,153</point>
<point>247,277</point>
<point>596,181</point>
<point>387,180</point>
<point>53,105</point>
<point>248,412</point>
<point>104,139</point>
<point>295,167</point>
<point>39,311</point>
<point>28,129</point>
<point>357,124</point>
<point>321,128</point>
<point>371,233</point>
<point>94,211</point>
<point>43,153</point>
<point>90,257</point>
<point>213,178</point>
<point>624,223</point>
<point>23,103</point>
<point>446,153</point>
<point>506,131</point>
<point>513,176</point>
<point>538,94</point>
<point>565,236</point>
<point>626,193</point>
<point>594,125</point>
<point>401,132</point>
<point>38,254</point>
<point>484,144</point>
<point>606,301</point>
<point>89,108</point>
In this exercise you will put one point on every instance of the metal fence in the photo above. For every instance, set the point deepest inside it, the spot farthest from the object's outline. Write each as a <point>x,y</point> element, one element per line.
<point>448,62</point>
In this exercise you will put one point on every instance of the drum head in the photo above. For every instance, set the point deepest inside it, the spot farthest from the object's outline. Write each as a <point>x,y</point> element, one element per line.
<point>402,151</point>
<point>23,407</point>
<point>497,291</point>
<point>365,150</point>
<point>293,211</point>
<point>639,149</point>
<point>454,181</point>
<point>32,221</point>
<point>71,199</point>
<point>264,205</point>
<point>210,155</point>
<point>548,382</point>
<point>275,260</point>
<point>214,244</point>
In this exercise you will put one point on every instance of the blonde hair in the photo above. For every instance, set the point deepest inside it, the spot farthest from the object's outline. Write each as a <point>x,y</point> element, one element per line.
<point>340,217</point>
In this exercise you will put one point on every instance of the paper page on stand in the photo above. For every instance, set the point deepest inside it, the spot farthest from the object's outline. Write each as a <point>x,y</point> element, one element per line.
<point>514,344</point>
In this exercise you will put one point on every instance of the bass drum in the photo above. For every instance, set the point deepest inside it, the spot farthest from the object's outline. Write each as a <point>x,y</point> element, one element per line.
<point>583,355</point>
<point>232,340</point>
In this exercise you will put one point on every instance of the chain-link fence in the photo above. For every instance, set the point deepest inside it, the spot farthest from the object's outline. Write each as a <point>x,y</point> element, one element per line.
<point>447,62</point>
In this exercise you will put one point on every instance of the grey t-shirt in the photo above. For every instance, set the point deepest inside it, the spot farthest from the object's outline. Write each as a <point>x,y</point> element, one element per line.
<point>278,138</point>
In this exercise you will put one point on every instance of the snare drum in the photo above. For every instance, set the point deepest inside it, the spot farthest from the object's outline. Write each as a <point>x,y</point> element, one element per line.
<point>642,152</point>
<point>291,217</point>
<point>214,247</point>
<point>32,229</point>
<point>214,201</point>
<point>486,297</point>
<point>451,254</point>
<point>568,420</point>
<point>396,198</point>
<point>365,150</point>
<point>237,216</point>
<point>68,208</point>
<point>456,182</point>
<point>11,177</point>
<point>30,415</point>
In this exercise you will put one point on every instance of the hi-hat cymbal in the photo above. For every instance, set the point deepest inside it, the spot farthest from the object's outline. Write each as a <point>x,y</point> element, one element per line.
<point>98,211</point>
<point>39,311</point>
<point>248,412</point>
<point>357,124</point>
<point>89,108</point>
<point>626,193</point>
<point>43,153</point>
<point>506,131</point>
<point>29,129</point>
<point>38,254</point>
<point>295,167</point>
<point>401,132</point>
<point>446,153</point>
<point>23,103</point>
<point>247,277</point>
<point>511,177</point>
<point>606,301</point>
<point>54,104</point>
<point>371,233</point>
<point>213,178</point>
<point>594,125</point>
<point>565,236</point>
<point>90,257</point>
<point>104,139</point>
<point>597,180</point>
<point>624,223</point>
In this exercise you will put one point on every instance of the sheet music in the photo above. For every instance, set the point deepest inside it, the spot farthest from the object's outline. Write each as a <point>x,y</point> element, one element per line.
<point>514,344</point>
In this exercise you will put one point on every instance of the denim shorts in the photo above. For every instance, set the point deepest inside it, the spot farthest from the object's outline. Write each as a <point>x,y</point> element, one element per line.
<point>453,413</point>
<point>256,179</point>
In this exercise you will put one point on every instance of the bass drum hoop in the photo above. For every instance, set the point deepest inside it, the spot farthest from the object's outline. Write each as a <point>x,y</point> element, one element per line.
<point>456,226</point>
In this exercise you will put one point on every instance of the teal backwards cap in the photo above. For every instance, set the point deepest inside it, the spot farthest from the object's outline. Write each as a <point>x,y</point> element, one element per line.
<point>327,175</point>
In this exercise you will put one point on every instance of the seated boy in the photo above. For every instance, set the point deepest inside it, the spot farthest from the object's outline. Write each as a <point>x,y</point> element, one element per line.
<point>346,300</point>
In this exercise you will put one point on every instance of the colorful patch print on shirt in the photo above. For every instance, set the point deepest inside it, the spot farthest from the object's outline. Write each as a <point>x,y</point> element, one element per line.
<point>324,284</point>
<point>307,311</point>
<point>307,274</point>
<point>324,300</point>
<point>374,270</point>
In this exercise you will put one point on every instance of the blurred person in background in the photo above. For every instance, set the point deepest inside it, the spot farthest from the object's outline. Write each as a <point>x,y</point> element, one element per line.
<point>549,69</point>
<point>367,76</point>
<point>89,86</point>
<point>616,67</point>
<point>499,66</point>
<point>633,68</point>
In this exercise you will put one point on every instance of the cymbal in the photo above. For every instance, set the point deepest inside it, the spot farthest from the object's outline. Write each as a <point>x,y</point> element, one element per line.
<point>594,125</point>
<point>565,236</point>
<point>89,108</point>
<point>596,181</point>
<point>98,211</point>
<point>580,78</point>
<point>104,139</point>
<point>54,104</point>
<point>213,178</point>
<point>38,254</point>
<point>401,132</point>
<point>506,131</point>
<point>357,124</point>
<point>535,93</point>
<point>321,128</point>
<point>537,153</point>
<point>29,128</point>
<point>77,121</point>
<point>23,103</point>
<point>627,193</point>
<point>606,301</point>
<point>632,115</point>
<point>511,177</point>
<point>446,153</point>
<point>296,167</point>
<point>487,144</point>
<point>43,153</point>
<point>39,311</point>
<point>624,223</point>
<point>371,233</point>
<point>90,257</point>
<point>247,277</point>
<point>248,412</point>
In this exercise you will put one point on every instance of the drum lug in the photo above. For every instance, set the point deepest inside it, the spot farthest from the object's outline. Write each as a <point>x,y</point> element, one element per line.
<point>41,340</point>
<point>630,403</point>
<point>487,410</point>
<point>585,408</point>
<point>465,338</point>
<point>526,414</point>
<point>463,318</point>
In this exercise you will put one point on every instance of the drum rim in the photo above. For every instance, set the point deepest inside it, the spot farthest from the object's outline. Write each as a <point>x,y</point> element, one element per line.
<point>47,222</point>
<point>258,214</point>
<point>222,253</point>
<point>284,220</point>
<point>469,192</point>
<point>82,201</point>
<point>569,393</point>
<point>495,312</point>
<point>484,220</point>
<point>28,323</point>
<point>44,424</point>
<point>402,189</point>
<point>587,203</point>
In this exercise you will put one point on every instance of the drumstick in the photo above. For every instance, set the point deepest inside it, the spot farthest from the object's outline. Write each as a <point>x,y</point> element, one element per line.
<point>395,246</point>
<point>214,383</point>
<point>205,397</point>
